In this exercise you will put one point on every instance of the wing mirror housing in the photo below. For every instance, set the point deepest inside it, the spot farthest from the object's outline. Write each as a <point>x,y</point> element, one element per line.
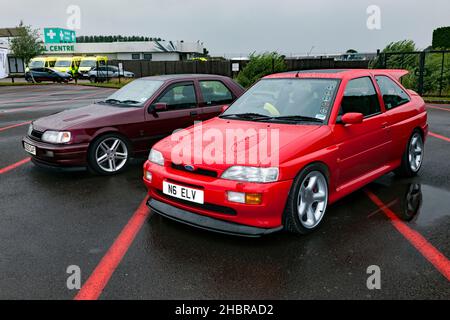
<point>352,118</point>
<point>158,107</point>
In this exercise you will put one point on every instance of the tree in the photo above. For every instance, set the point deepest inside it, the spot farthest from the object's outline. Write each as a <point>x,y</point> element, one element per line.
<point>399,61</point>
<point>441,38</point>
<point>28,43</point>
<point>260,66</point>
<point>351,51</point>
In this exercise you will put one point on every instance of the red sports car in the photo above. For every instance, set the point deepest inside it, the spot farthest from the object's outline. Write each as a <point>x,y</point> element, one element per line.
<point>104,135</point>
<point>293,144</point>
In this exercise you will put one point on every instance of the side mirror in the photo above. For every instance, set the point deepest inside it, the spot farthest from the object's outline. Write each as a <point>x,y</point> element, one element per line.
<point>158,107</point>
<point>352,118</point>
<point>224,108</point>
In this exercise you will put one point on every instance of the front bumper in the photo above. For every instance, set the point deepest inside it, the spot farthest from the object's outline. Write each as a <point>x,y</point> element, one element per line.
<point>207,223</point>
<point>267,215</point>
<point>52,155</point>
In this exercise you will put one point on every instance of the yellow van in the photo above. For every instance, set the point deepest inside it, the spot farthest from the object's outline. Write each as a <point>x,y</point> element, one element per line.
<point>88,63</point>
<point>41,62</point>
<point>68,64</point>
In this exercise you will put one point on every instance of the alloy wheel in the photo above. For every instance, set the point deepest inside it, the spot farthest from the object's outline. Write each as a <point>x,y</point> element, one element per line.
<point>312,199</point>
<point>111,154</point>
<point>415,153</point>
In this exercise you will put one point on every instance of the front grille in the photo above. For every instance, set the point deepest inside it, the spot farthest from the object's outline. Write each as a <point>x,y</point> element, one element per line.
<point>206,206</point>
<point>36,135</point>
<point>200,171</point>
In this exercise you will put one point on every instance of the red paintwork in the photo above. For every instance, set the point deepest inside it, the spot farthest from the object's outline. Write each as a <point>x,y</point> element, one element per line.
<point>141,128</point>
<point>354,155</point>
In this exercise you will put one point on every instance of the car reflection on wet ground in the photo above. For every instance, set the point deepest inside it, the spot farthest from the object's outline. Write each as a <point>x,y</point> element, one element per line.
<point>53,220</point>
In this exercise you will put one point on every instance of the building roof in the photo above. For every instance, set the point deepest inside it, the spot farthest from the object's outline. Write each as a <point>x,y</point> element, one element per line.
<point>138,46</point>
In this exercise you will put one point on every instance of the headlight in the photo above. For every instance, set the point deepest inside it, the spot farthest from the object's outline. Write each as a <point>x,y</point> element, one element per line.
<point>156,157</point>
<point>30,129</point>
<point>56,136</point>
<point>251,174</point>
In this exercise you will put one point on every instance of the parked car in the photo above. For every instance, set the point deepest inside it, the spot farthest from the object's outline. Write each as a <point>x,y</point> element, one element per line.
<point>103,73</point>
<point>47,74</point>
<point>338,130</point>
<point>104,135</point>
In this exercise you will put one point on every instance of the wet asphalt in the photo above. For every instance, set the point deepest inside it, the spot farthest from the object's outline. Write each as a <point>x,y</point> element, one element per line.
<point>49,221</point>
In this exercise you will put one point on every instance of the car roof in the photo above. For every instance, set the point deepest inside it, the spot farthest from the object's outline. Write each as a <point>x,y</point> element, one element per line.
<point>338,73</point>
<point>168,77</point>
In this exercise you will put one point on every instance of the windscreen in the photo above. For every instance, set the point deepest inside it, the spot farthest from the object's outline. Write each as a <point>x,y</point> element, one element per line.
<point>135,93</point>
<point>292,98</point>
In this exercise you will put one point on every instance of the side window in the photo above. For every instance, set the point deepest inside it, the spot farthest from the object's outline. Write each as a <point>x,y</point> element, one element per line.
<point>101,62</point>
<point>393,95</point>
<point>179,96</point>
<point>135,56</point>
<point>360,96</point>
<point>215,93</point>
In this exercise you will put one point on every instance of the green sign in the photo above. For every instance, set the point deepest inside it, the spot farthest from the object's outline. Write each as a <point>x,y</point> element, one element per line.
<point>58,35</point>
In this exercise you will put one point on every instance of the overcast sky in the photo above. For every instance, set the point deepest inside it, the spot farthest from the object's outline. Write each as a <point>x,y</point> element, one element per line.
<point>236,27</point>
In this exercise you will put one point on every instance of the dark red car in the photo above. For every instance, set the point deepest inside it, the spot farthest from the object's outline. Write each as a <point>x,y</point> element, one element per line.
<point>104,135</point>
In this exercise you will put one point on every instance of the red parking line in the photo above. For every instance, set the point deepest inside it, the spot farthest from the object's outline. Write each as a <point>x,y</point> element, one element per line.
<point>99,278</point>
<point>433,255</point>
<point>15,126</point>
<point>14,165</point>
<point>438,136</point>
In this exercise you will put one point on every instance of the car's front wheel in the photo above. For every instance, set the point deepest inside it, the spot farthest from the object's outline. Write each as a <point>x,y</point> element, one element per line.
<point>109,154</point>
<point>92,79</point>
<point>307,200</point>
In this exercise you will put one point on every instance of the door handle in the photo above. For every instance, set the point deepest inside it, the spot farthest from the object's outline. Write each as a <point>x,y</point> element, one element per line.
<point>384,125</point>
<point>194,113</point>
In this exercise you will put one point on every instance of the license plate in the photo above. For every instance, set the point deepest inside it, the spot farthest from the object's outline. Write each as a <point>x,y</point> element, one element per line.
<point>29,148</point>
<point>182,192</point>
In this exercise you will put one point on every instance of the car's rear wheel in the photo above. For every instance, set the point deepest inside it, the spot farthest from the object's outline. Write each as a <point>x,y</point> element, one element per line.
<point>109,154</point>
<point>412,157</point>
<point>307,200</point>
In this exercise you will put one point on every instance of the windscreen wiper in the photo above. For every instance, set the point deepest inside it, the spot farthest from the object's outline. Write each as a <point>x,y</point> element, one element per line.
<point>249,115</point>
<point>130,102</point>
<point>112,101</point>
<point>297,118</point>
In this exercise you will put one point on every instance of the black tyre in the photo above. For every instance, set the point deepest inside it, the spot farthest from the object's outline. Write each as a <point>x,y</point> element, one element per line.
<point>92,79</point>
<point>307,201</point>
<point>412,157</point>
<point>109,154</point>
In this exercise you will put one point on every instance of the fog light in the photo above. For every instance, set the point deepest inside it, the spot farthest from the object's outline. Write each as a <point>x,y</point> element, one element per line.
<point>148,176</point>
<point>238,197</point>
<point>253,198</point>
<point>247,198</point>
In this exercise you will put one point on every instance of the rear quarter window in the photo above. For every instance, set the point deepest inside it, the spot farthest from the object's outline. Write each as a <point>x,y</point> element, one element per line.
<point>393,95</point>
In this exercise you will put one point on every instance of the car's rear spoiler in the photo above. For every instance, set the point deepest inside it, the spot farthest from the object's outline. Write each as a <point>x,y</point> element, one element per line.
<point>394,73</point>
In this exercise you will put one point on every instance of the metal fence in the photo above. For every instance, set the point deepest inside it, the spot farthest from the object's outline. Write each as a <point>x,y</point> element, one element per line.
<point>143,68</point>
<point>429,71</point>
